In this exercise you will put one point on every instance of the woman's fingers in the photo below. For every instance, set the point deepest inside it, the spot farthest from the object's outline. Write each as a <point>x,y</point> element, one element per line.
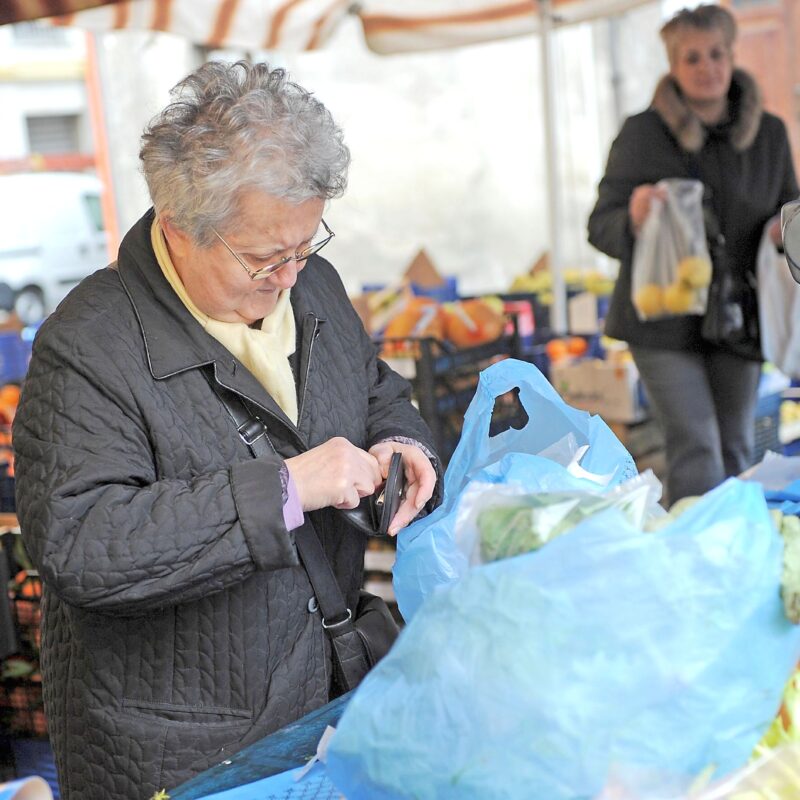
<point>640,201</point>
<point>336,473</point>
<point>420,480</point>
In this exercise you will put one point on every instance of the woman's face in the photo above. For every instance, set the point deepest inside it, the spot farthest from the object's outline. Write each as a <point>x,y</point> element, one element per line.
<point>264,230</point>
<point>703,66</point>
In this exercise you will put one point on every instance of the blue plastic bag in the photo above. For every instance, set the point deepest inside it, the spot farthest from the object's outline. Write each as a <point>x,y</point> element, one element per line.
<point>536,676</point>
<point>427,555</point>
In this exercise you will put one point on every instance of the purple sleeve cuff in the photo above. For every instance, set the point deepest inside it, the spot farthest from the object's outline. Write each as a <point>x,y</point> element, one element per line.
<point>292,507</point>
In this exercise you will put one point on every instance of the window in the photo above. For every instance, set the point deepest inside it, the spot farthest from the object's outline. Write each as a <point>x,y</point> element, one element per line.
<point>53,134</point>
<point>37,33</point>
<point>92,203</point>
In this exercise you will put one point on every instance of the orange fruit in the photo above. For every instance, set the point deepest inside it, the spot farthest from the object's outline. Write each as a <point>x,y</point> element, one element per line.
<point>556,350</point>
<point>577,346</point>
<point>9,394</point>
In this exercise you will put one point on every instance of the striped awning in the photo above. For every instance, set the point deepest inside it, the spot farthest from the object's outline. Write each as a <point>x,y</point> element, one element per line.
<point>22,10</point>
<point>398,26</point>
<point>390,26</point>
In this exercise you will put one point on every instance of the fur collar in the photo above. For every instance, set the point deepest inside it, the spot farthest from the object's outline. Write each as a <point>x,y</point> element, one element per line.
<point>745,105</point>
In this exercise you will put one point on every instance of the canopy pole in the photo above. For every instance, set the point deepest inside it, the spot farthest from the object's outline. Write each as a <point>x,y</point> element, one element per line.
<point>558,321</point>
<point>97,115</point>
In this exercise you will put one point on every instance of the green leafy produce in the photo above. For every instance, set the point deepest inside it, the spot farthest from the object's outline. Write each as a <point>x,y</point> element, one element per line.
<point>532,521</point>
<point>789,527</point>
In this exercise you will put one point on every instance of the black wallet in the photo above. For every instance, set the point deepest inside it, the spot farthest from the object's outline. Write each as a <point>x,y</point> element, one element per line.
<point>374,513</point>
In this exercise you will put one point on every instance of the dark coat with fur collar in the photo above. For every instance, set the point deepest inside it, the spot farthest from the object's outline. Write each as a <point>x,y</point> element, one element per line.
<point>745,162</point>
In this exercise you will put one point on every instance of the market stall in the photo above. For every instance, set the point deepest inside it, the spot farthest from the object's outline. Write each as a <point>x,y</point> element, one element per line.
<point>388,28</point>
<point>651,628</point>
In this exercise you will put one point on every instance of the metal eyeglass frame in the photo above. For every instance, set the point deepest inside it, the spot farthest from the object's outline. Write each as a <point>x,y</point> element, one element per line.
<point>790,232</point>
<point>271,269</point>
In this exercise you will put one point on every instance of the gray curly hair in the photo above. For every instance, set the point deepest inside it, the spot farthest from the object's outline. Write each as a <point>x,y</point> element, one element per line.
<point>707,17</point>
<point>236,127</point>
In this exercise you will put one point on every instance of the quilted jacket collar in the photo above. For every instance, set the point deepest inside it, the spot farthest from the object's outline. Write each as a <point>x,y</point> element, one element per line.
<point>174,341</point>
<point>745,106</point>
<point>170,348</point>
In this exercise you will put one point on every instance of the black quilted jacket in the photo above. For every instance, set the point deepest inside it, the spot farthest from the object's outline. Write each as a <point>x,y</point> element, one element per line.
<point>176,623</point>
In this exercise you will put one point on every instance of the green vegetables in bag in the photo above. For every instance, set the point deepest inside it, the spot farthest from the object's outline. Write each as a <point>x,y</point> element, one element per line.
<point>788,526</point>
<point>532,521</point>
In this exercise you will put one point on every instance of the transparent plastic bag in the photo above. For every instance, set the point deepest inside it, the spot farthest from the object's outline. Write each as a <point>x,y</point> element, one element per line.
<point>671,263</point>
<point>502,521</point>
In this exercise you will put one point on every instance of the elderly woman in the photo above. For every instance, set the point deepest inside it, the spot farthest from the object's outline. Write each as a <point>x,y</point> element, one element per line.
<point>705,122</point>
<point>180,623</point>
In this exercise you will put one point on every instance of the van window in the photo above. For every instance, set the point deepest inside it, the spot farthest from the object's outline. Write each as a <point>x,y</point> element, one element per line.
<point>92,203</point>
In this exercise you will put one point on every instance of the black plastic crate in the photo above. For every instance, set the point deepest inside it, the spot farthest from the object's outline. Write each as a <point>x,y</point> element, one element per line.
<point>445,379</point>
<point>22,707</point>
<point>8,503</point>
<point>25,595</point>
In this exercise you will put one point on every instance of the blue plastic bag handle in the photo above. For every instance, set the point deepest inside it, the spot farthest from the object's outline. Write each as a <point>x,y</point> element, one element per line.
<point>476,448</point>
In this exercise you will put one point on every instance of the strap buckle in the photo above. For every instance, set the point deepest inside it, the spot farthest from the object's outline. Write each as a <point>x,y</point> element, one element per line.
<point>333,625</point>
<point>252,430</point>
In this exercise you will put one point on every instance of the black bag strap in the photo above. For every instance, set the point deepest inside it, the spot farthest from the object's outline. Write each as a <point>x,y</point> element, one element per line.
<point>337,618</point>
<point>710,217</point>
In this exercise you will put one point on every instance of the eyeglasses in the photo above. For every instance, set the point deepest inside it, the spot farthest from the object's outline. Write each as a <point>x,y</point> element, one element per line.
<point>271,269</point>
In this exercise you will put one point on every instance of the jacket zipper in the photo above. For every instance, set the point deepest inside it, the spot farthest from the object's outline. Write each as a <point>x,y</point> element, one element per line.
<point>314,335</point>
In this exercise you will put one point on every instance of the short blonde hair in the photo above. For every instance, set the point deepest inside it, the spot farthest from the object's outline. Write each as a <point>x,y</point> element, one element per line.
<point>706,17</point>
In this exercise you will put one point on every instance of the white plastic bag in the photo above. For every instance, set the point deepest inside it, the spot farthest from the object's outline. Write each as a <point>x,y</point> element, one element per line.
<point>778,309</point>
<point>671,264</point>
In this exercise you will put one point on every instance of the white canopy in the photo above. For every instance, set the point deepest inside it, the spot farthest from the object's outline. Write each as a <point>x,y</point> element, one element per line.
<point>389,26</point>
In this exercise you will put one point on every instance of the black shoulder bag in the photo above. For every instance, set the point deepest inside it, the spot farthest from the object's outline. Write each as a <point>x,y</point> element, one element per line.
<point>731,318</point>
<point>359,640</point>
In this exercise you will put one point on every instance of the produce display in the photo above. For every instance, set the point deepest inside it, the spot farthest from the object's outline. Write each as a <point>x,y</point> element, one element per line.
<point>472,322</point>
<point>564,348</point>
<point>789,527</point>
<point>539,281</point>
<point>463,323</point>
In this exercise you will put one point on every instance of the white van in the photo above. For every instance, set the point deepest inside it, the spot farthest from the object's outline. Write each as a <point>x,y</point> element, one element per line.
<point>51,237</point>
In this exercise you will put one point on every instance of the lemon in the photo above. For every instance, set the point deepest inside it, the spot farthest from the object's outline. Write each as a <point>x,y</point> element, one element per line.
<point>649,300</point>
<point>678,298</point>
<point>694,271</point>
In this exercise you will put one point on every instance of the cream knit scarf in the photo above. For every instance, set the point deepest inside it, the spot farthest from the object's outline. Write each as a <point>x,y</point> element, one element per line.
<point>264,352</point>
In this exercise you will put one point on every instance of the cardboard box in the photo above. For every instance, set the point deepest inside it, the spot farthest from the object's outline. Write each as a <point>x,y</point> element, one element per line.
<point>609,389</point>
<point>582,315</point>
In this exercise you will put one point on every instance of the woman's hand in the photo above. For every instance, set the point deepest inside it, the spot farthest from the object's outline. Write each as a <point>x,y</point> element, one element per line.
<point>336,473</point>
<point>420,479</point>
<point>640,202</point>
